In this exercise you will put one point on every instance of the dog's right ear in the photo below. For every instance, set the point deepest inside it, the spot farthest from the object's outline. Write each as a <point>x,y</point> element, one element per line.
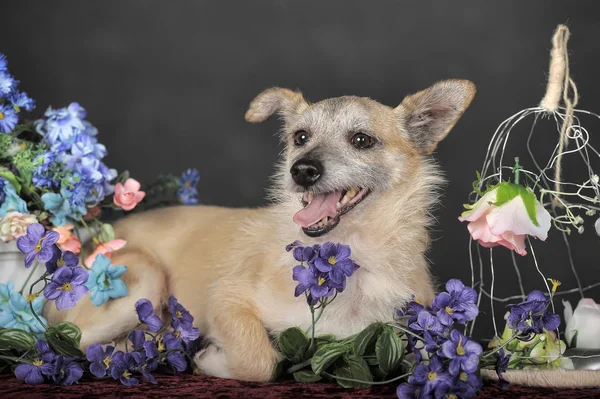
<point>283,101</point>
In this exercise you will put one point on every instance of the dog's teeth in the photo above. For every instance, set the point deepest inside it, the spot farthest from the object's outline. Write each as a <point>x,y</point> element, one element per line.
<point>352,192</point>
<point>338,205</point>
<point>305,197</point>
<point>345,200</point>
<point>324,220</point>
<point>310,198</point>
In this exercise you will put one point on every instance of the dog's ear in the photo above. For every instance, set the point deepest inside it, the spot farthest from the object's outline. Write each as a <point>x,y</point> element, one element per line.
<point>429,115</point>
<point>283,101</point>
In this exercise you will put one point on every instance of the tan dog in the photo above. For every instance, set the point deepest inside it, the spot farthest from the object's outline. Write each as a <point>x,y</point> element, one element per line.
<point>354,171</point>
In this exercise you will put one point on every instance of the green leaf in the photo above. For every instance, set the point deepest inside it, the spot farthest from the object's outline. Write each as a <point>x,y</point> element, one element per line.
<point>326,338</point>
<point>508,191</point>
<point>389,350</point>
<point>107,233</point>
<point>326,355</point>
<point>366,338</point>
<point>123,176</point>
<point>293,342</point>
<point>306,376</point>
<point>11,338</point>
<point>64,343</point>
<point>70,330</point>
<point>353,367</point>
<point>12,179</point>
<point>530,202</point>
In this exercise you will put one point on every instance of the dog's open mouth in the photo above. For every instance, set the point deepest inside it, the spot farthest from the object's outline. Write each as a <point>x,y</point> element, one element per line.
<point>322,212</point>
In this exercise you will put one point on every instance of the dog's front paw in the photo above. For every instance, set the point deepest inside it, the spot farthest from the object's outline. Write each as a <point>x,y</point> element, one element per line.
<point>212,361</point>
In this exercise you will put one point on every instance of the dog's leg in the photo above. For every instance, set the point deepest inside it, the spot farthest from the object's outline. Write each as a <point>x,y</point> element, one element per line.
<point>104,324</point>
<point>241,348</point>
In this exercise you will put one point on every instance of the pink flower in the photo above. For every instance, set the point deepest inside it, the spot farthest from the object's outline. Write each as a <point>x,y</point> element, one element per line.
<point>14,225</point>
<point>129,195</point>
<point>92,213</point>
<point>505,215</point>
<point>67,240</point>
<point>106,249</point>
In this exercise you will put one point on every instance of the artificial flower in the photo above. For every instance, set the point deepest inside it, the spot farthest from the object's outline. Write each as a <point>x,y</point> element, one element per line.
<point>504,215</point>
<point>427,322</point>
<point>3,63</point>
<point>313,281</point>
<point>104,281</point>
<point>61,125</point>
<point>122,369</point>
<point>547,351</point>
<point>502,365</point>
<point>187,191</point>
<point>106,249</point>
<point>92,213</point>
<point>100,359</point>
<point>335,260</point>
<point>6,291</point>
<point>426,381</point>
<point>466,385</point>
<point>458,304</point>
<point>182,321</point>
<point>8,117</point>
<point>583,324</point>
<point>463,352</point>
<point>7,83</point>
<point>127,196</point>
<point>18,314</point>
<point>175,356</point>
<point>60,206</point>
<point>67,286</point>
<point>37,244</point>
<point>33,373</point>
<point>21,100</point>
<point>14,225</point>
<point>145,312</point>
<point>65,370</point>
<point>60,259</point>
<point>301,253</point>
<point>532,315</point>
<point>11,201</point>
<point>67,240</point>
<point>137,338</point>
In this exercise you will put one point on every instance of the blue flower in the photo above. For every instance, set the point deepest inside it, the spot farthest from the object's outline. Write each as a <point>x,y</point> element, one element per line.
<point>8,118</point>
<point>2,193</point>
<point>145,312</point>
<point>21,100</point>
<point>100,359</point>
<point>3,63</point>
<point>62,125</point>
<point>458,304</point>
<point>187,192</point>
<point>6,291</point>
<point>532,315</point>
<point>463,352</point>
<point>18,314</point>
<point>12,202</point>
<point>7,83</point>
<point>37,244</point>
<point>59,206</point>
<point>104,281</point>
<point>67,286</point>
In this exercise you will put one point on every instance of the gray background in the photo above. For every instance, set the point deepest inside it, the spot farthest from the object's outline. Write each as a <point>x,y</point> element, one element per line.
<point>167,85</point>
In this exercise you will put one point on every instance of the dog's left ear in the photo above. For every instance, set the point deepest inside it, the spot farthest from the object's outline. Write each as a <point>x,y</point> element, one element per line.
<point>429,115</point>
<point>283,101</point>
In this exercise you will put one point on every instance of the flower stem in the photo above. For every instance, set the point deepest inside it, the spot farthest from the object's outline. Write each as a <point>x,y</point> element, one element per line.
<point>406,331</point>
<point>29,277</point>
<point>87,228</point>
<point>502,346</point>
<point>516,170</point>
<point>31,302</point>
<point>368,382</point>
<point>299,366</point>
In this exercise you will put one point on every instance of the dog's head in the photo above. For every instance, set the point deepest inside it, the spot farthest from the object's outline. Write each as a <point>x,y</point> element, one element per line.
<point>341,150</point>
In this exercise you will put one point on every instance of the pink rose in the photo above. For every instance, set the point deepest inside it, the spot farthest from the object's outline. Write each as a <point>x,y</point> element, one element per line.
<point>67,240</point>
<point>129,195</point>
<point>14,225</point>
<point>106,249</point>
<point>505,215</point>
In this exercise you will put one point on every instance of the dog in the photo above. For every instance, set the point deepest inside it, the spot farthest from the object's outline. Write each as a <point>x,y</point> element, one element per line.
<point>353,171</point>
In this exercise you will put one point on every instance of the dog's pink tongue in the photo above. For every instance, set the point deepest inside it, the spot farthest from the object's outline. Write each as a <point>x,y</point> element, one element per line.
<point>322,205</point>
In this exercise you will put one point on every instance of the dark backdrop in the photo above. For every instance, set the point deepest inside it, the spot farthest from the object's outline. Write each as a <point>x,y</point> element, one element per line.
<point>167,84</point>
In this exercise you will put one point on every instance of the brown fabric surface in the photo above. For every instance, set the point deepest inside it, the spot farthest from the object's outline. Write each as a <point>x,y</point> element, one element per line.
<point>208,387</point>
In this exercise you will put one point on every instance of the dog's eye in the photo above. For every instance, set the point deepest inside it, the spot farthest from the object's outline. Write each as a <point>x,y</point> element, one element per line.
<point>300,138</point>
<point>362,141</point>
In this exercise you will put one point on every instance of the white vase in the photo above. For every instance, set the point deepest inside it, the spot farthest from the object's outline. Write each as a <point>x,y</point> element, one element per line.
<point>12,266</point>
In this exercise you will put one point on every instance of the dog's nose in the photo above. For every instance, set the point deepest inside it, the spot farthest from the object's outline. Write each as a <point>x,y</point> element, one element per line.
<point>306,172</point>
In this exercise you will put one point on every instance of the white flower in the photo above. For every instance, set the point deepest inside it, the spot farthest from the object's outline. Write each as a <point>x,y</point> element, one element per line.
<point>597,226</point>
<point>583,323</point>
<point>14,225</point>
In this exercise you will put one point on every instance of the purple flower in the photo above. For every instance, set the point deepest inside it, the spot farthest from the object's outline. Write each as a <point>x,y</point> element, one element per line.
<point>100,358</point>
<point>463,352</point>
<point>34,373</point>
<point>67,286</point>
<point>310,280</point>
<point>412,310</point>
<point>301,253</point>
<point>37,244</point>
<point>145,312</point>
<point>428,323</point>
<point>137,338</point>
<point>183,321</point>
<point>427,381</point>
<point>335,260</point>
<point>458,304</point>
<point>502,365</point>
<point>122,368</point>
<point>532,315</point>
<point>175,356</point>
<point>66,371</point>
<point>467,385</point>
<point>60,258</point>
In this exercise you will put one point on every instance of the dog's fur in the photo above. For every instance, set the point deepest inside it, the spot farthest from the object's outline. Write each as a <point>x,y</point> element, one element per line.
<point>229,266</point>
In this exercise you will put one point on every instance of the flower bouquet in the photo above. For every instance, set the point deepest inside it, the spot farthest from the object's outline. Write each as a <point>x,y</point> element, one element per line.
<point>56,193</point>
